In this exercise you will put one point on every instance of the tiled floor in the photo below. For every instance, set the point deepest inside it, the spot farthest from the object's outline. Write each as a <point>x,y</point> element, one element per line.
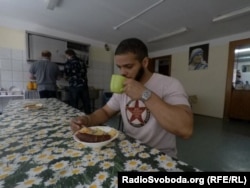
<point>216,144</point>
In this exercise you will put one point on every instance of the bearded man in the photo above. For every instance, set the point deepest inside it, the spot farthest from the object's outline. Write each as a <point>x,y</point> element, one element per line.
<point>154,107</point>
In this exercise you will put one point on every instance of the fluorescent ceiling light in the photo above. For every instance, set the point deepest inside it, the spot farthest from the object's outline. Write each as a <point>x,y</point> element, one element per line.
<point>51,4</point>
<point>137,15</point>
<point>242,50</point>
<point>232,14</point>
<point>167,35</point>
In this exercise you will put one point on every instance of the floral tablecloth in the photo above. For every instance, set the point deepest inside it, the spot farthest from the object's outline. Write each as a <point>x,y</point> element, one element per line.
<point>37,150</point>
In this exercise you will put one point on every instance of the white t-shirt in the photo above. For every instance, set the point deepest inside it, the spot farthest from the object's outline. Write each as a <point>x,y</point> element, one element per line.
<point>138,121</point>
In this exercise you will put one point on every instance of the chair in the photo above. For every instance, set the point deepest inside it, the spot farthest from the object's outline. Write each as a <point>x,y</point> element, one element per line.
<point>193,99</point>
<point>93,95</point>
<point>106,97</point>
<point>120,125</point>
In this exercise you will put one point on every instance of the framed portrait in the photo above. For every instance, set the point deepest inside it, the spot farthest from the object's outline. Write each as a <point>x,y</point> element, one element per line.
<point>198,57</point>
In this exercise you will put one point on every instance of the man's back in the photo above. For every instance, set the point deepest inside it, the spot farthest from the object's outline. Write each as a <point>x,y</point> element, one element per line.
<point>75,72</point>
<point>46,73</point>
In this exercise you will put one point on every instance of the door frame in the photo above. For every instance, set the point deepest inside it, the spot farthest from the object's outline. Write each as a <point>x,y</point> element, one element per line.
<point>229,84</point>
<point>151,65</point>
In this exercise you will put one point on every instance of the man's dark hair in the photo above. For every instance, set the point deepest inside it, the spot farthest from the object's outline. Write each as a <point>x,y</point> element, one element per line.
<point>70,52</point>
<point>134,46</point>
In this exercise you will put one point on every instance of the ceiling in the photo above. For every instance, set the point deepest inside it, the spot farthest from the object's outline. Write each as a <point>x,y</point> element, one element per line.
<point>95,19</point>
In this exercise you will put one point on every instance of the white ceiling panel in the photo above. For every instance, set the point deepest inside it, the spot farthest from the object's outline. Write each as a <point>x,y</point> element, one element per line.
<point>95,19</point>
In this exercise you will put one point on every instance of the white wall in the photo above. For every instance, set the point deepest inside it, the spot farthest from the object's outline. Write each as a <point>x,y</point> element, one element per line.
<point>100,70</point>
<point>208,85</point>
<point>101,67</point>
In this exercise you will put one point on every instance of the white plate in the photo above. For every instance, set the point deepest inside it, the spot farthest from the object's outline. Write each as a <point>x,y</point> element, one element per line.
<point>13,90</point>
<point>33,106</point>
<point>98,144</point>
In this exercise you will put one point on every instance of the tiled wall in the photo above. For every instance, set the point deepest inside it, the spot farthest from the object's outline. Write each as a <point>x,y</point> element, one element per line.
<point>14,68</point>
<point>13,71</point>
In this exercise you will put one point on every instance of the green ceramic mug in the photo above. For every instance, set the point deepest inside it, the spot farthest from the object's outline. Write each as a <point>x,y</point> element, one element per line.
<point>116,84</point>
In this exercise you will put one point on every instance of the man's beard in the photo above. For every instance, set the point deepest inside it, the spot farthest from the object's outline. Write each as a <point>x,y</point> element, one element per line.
<point>139,74</point>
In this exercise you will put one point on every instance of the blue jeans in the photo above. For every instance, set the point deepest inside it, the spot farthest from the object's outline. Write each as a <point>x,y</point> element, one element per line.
<point>80,93</point>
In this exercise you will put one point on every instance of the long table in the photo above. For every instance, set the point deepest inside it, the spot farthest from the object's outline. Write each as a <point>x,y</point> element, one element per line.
<point>37,150</point>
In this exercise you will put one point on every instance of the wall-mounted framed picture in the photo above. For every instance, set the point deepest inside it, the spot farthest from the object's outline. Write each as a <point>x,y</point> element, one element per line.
<point>198,57</point>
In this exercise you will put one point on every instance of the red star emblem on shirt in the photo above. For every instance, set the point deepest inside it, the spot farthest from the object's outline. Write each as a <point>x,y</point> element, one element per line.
<point>136,112</point>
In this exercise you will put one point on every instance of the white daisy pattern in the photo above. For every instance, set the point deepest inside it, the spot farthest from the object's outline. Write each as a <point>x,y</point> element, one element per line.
<point>29,182</point>
<point>59,165</point>
<point>37,150</point>
<point>37,170</point>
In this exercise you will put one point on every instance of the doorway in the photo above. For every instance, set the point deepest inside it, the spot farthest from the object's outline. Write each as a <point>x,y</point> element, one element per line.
<point>161,65</point>
<point>237,97</point>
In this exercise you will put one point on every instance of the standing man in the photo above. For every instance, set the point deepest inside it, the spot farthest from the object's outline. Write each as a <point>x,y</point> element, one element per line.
<point>76,74</point>
<point>154,107</point>
<point>45,73</point>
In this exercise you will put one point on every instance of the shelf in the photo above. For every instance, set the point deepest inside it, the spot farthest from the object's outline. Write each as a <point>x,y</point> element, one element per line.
<point>3,96</point>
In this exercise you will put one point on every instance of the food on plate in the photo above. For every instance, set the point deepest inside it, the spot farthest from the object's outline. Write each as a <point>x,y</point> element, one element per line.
<point>94,135</point>
<point>33,106</point>
<point>92,138</point>
<point>112,133</point>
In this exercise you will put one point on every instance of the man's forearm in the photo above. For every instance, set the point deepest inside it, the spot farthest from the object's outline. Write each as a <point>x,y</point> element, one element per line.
<point>98,117</point>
